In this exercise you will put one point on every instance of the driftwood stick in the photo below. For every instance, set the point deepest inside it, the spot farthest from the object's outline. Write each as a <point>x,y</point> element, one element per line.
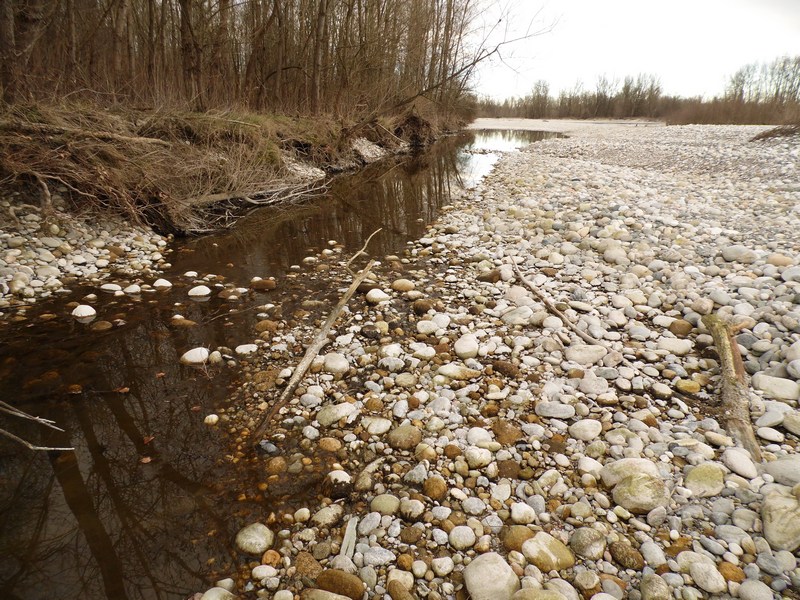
<point>30,446</point>
<point>106,136</point>
<point>553,309</point>
<point>734,387</point>
<point>14,411</point>
<point>319,341</point>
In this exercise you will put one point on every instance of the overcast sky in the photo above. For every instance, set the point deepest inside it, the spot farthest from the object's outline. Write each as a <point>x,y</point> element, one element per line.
<point>692,45</point>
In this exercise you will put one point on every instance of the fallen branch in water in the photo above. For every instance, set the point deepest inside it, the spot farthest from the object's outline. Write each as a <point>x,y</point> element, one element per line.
<point>15,412</point>
<point>320,340</point>
<point>734,389</point>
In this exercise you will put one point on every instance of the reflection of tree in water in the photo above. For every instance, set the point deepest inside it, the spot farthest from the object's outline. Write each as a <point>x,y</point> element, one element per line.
<point>400,196</point>
<point>97,523</point>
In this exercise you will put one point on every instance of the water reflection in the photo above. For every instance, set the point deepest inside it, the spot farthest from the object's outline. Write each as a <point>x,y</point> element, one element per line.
<point>146,501</point>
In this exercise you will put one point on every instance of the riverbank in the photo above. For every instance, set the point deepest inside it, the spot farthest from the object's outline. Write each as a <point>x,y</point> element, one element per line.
<point>464,439</point>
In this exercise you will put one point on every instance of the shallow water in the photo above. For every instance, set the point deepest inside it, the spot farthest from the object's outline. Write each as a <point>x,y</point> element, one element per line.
<point>146,507</point>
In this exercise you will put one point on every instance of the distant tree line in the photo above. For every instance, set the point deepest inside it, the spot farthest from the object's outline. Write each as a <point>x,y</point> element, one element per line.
<point>757,93</point>
<point>309,56</point>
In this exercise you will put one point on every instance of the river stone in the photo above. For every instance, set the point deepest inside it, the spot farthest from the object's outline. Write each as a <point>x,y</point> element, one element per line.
<point>653,587</point>
<point>462,537</point>
<point>521,315</point>
<point>328,516</point>
<point>404,437</point>
<point>385,504</point>
<point>785,470</point>
<point>780,513</point>
<point>522,514</point>
<point>477,457</point>
<point>217,593</point>
<point>195,356</point>
<point>738,460</point>
<point>315,594</point>
<point>707,577</point>
<point>377,296</point>
<point>376,425</point>
<point>256,538</point>
<point>776,387</point>
<point>752,589</point>
<point>377,556</point>
<point>641,492</point>
<point>548,553</point>
<point>162,284</point>
<point>626,555</point>
<point>536,594</point>
<point>588,543</point>
<point>466,346</point>
<point>739,253</point>
<point>705,480</point>
<point>554,410</point>
<point>199,291</point>
<point>336,364</point>
<point>334,580</point>
<point>403,285</point>
<point>83,311</point>
<point>516,535</point>
<point>328,415</point>
<point>245,349</point>
<point>676,346</point>
<point>791,422</point>
<point>614,472</point>
<point>584,354</point>
<point>458,372</point>
<point>489,577</point>
<point>586,430</point>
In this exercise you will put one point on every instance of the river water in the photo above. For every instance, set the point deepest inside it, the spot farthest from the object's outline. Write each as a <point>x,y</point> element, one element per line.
<point>147,505</point>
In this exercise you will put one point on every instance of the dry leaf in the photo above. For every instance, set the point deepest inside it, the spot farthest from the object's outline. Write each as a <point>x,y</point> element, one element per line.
<point>145,459</point>
<point>148,439</point>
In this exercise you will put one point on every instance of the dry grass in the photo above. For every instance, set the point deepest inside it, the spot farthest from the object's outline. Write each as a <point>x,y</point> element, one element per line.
<point>152,166</point>
<point>779,132</point>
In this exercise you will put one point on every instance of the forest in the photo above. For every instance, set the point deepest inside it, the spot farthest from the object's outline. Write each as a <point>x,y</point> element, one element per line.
<point>763,93</point>
<point>307,56</point>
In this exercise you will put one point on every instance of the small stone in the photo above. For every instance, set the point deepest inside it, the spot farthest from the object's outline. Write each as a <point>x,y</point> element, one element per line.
<point>776,387</point>
<point>752,589</point>
<point>626,555</point>
<point>217,593</point>
<point>385,504</point>
<point>522,514</point>
<point>462,537</point>
<point>516,535</point>
<point>680,328</point>
<point>548,553</point>
<point>785,470</point>
<point>377,296</point>
<point>731,572</point>
<point>403,285</point>
<point>653,587</point>
<point>585,354</point>
<point>466,346</point>
<point>255,539</point>
<point>458,372</point>
<point>336,364</point>
<point>738,460</point>
<point>83,311</point>
<point>588,543</point>
<point>614,472</point>
<point>195,356</point>
<point>331,414</point>
<point>199,291</point>
<point>739,253</point>
<point>586,430</point>
<point>435,488</point>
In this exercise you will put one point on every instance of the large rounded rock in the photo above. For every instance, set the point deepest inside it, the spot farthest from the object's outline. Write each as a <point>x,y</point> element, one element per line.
<point>705,480</point>
<point>489,577</point>
<point>780,513</point>
<point>346,584</point>
<point>653,587</point>
<point>256,538</point>
<point>640,493</point>
<point>588,543</point>
<point>776,387</point>
<point>548,553</point>
<point>404,437</point>
<point>614,472</point>
<point>785,470</point>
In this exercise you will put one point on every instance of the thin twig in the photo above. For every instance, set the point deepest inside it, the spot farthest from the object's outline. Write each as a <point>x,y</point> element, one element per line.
<point>30,446</point>
<point>360,252</point>
<point>13,410</point>
<point>320,340</point>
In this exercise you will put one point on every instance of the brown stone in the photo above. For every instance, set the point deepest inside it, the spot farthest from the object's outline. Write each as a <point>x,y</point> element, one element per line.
<point>410,535</point>
<point>626,555</point>
<point>508,469</point>
<point>263,285</point>
<point>276,465</point>
<point>492,276</point>
<point>506,368</point>
<point>397,591</point>
<point>491,409</point>
<point>680,328</point>
<point>451,451</point>
<point>266,325</point>
<point>404,561</point>
<point>435,487</point>
<point>514,536</point>
<point>340,582</point>
<point>404,437</point>
<point>506,433</point>
<point>307,565</point>
<point>731,572</point>
<point>422,306</point>
<point>329,444</point>
<point>271,558</point>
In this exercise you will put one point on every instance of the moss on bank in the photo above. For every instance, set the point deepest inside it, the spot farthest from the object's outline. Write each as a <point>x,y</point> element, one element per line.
<point>157,166</point>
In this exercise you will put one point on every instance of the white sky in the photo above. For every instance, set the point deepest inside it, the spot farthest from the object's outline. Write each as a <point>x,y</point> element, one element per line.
<point>693,46</point>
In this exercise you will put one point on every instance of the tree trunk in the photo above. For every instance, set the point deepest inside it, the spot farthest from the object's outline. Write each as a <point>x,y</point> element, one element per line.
<point>316,74</point>
<point>8,59</point>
